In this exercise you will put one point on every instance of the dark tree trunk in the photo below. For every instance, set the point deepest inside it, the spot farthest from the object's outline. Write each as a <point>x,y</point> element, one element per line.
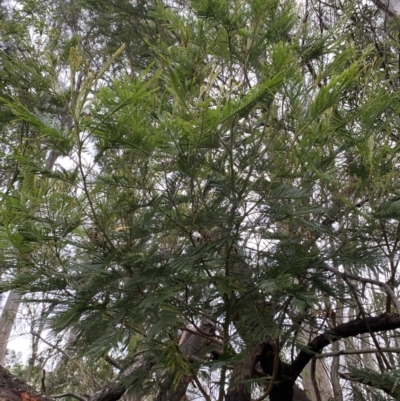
<point>14,389</point>
<point>242,373</point>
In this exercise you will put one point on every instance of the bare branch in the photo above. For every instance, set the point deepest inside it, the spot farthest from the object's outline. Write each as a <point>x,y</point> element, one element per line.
<point>112,362</point>
<point>384,286</point>
<point>353,328</point>
<point>358,351</point>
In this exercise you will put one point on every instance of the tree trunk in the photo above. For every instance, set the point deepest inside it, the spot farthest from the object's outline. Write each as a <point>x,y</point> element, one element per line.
<point>14,389</point>
<point>243,372</point>
<point>7,320</point>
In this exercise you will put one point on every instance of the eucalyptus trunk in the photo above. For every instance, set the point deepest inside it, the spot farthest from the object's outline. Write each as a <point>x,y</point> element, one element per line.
<point>7,320</point>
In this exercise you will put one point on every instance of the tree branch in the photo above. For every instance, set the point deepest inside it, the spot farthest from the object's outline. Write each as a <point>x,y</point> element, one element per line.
<point>385,286</point>
<point>357,351</point>
<point>112,362</point>
<point>353,328</point>
<point>115,389</point>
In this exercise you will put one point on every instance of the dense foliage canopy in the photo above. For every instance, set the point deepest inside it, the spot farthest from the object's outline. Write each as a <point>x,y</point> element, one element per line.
<point>203,195</point>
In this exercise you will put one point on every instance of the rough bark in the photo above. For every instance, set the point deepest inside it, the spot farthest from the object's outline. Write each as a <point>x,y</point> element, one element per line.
<point>14,389</point>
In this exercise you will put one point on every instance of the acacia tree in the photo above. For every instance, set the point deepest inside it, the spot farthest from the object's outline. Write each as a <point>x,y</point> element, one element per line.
<point>241,190</point>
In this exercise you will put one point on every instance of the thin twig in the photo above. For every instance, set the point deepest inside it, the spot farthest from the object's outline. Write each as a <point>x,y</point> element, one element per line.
<point>63,352</point>
<point>78,397</point>
<point>384,286</point>
<point>314,379</point>
<point>364,316</point>
<point>112,362</point>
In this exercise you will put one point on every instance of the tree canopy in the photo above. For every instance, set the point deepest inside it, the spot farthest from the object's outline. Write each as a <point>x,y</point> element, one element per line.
<point>204,196</point>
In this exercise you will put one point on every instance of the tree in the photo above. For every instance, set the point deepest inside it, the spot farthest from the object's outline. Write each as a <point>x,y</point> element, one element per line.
<point>241,189</point>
